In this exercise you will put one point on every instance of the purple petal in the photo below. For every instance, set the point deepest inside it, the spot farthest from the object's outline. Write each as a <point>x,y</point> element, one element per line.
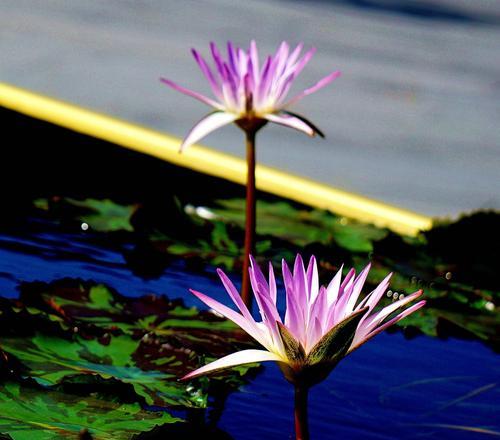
<point>231,56</point>
<point>320,84</point>
<point>377,318</point>
<point>332,291</point>
<point>218,60</point>
<point>312,279</point>
<point>303,61</point>
<point>295,54</point>
<point>314,334</point>
<point>270,317</point>
<point>259,287</point>
<point>319,308</point>
<point>272,284</point>
<point>362,338</point>
<point>209,123</point>
<point>290,121</point>
<point>372,299</point>
<point>192,93</point>
<point>337,311</point>
<point>242,62</point>
<point>300,284</point>
<point>238,319</point>
<point>238,358</point>
<point>283,89</point>
<point>254,60</point>
<point>347,281</point>
<point>281,58</point>
<point>235,296</point>
<point>356,290</point>
<point>208,73</point>
<point>265,77</point>
<point>292,318</point>
<point>259,276</point>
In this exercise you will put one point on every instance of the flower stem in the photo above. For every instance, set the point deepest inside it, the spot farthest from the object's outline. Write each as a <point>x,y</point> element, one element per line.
<point>250,217</point>
<point>301,422</point>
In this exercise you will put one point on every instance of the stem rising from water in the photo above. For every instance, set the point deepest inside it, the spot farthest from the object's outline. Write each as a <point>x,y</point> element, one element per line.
<point>250,217</point>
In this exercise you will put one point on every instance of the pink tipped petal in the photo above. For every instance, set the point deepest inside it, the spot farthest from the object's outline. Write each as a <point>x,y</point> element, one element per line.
<point>319,308</point>
<point>319,85</point>
<point>209,123</point>
<point>295,54</point>
<point>300,284</point>
<point>290,121</point>
<point>234,294</point>
<point>294,321</point>
<point>362,338</point>
<point>372,299</point>
<point>314,333</point>
<point>234,359</point>
<point>254,58</point>
<point>328,315</point>
<point>269,308</point>
<point>259,276</point>
<point>248,326</point>
<point>312,279</point>
<point>217,60</point>
<point>192,93</point>
<point>303,61</point>
<point>377,318</point>
<point>272,284</point>
<point>345,291</point>
<point>347,281</point>
<point>231,56</point>
<point>332,291</point>
<point>356,290</point>
<point>208,73</point>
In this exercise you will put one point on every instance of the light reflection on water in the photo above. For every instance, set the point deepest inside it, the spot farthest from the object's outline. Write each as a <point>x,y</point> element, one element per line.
<point>391,388</point>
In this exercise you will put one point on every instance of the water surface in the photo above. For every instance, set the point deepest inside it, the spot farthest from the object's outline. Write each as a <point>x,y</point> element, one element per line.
<point>391,388</point>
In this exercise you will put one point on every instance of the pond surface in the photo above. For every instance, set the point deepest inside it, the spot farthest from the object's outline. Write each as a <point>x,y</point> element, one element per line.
<point>391,388</point>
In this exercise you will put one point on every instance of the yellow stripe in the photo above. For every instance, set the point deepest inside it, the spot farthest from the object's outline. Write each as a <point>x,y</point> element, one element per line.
<point>211,162</point>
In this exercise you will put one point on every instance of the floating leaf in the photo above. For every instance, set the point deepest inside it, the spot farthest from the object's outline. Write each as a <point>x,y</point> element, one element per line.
<point>144,343</point>
<point>32,414</point>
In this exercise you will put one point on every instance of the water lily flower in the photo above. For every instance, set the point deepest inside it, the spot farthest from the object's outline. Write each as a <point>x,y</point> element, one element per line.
<point>321,324</point>
<point>250,93</point>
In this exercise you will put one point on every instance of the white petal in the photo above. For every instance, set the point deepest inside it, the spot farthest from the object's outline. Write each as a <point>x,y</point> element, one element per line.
<point>290,121</point>
<point>209,123</point>
<point>238,358</point>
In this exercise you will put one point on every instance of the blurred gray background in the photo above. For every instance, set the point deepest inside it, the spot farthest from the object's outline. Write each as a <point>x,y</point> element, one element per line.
<point>413,121</point>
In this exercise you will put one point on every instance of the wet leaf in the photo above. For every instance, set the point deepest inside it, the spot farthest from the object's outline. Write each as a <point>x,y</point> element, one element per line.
<point>144,344</point>
<point>450,263</point>
<point>33,414</point>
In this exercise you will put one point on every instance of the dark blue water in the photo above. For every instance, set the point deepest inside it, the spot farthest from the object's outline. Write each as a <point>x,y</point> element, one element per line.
<point>391,388</point>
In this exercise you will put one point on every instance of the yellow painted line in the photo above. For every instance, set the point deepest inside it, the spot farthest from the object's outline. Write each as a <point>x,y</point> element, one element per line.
<point>211,162</point>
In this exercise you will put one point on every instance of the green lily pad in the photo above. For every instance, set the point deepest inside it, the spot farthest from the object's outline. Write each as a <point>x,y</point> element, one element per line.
<point>30,414</point>
<point>100,215</point>
<point>145,344</point>
<point>449,263</point>
<point>303,226</point>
